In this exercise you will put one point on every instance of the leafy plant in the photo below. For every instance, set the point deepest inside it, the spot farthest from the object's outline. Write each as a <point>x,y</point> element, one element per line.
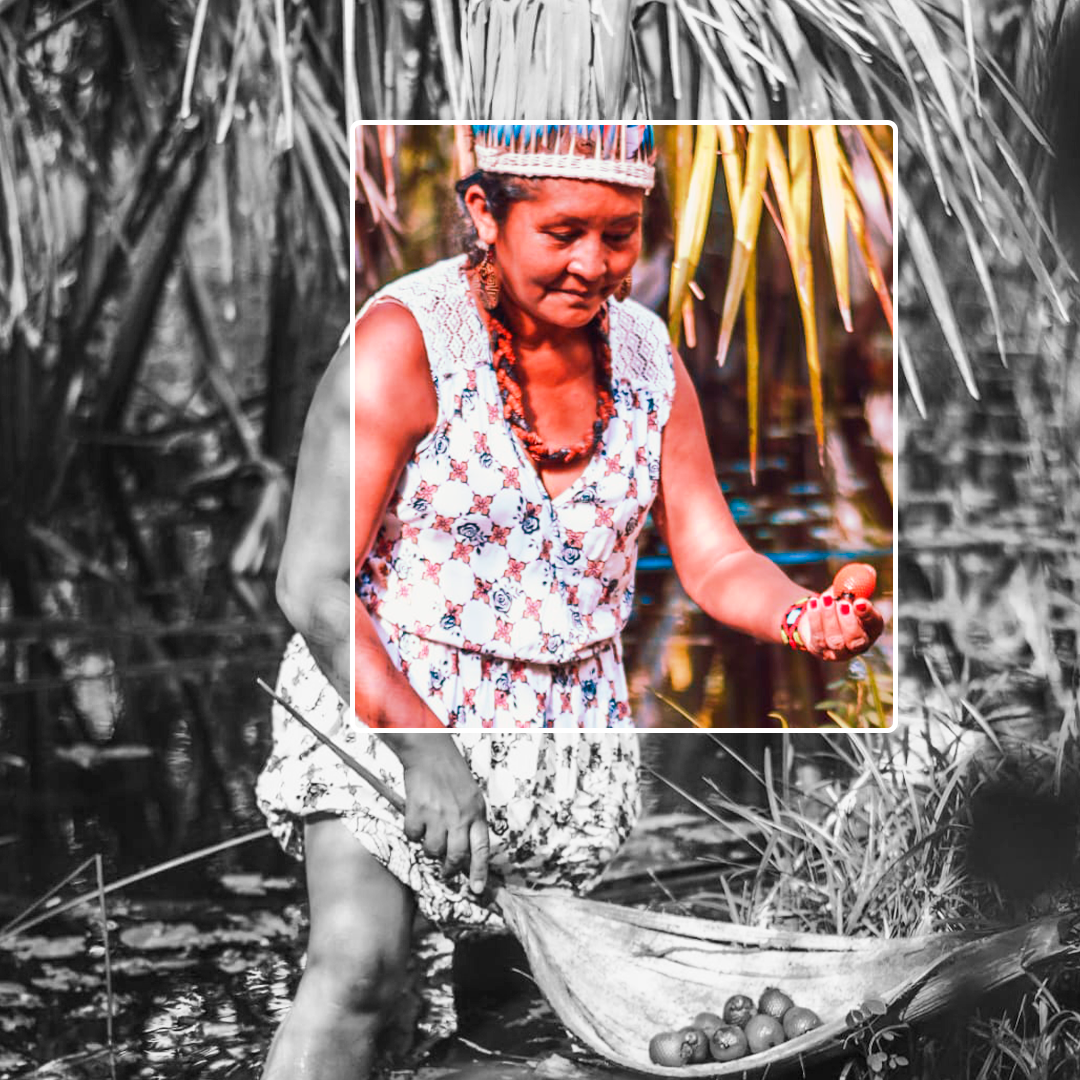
<point>864,699</point>
<point>167,210</point>
<point>869,1032</point>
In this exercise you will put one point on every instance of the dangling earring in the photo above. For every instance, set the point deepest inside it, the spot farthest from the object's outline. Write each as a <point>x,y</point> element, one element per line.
<point>623,291</point>
<point>489,280</point>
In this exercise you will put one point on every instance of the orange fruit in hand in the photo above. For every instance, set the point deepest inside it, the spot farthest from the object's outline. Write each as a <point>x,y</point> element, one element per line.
<point>856,581</point>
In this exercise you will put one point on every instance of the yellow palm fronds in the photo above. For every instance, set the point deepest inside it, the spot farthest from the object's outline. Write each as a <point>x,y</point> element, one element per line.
<point>757,172</point>
<point>690,236</point>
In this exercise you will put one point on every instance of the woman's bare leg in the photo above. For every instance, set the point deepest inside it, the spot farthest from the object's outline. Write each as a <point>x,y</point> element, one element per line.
<point>361,918</point>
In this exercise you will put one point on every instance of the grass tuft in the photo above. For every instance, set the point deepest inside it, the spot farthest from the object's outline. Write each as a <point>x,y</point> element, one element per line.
<point>947,825</point>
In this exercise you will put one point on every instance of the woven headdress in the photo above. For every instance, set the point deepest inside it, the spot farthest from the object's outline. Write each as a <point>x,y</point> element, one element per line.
<point>611,153</point>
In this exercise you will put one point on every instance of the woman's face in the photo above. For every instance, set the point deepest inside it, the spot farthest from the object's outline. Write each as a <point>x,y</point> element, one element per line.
<point>563,252</point>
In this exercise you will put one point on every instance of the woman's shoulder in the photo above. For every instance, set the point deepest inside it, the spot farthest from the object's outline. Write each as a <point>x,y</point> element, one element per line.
<point>428,287</point>
<point>390,361</point>
<point>641,347</point>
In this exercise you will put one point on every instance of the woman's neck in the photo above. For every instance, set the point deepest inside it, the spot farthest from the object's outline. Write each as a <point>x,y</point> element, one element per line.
<point>534,335</point>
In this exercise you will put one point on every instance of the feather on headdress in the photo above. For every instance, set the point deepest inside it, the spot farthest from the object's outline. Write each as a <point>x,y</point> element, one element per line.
<point>611,153</point>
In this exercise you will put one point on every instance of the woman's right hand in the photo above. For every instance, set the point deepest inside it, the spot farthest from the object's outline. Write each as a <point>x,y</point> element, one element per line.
<point>444,808</point>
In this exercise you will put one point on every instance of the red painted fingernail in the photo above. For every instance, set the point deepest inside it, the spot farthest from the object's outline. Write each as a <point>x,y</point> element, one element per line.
<point>813,604</point>
<point>827,600</point>
<point>861,606</point>
<point>844,609</point>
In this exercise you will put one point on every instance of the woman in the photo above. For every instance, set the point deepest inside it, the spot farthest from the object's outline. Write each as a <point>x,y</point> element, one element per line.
<point>514,426</point>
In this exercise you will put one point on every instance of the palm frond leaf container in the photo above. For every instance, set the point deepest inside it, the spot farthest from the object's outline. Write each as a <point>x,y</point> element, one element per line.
<point>617,976</point>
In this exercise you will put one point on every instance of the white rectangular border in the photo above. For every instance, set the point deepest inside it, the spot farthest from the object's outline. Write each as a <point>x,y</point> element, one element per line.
<point>895,427</point>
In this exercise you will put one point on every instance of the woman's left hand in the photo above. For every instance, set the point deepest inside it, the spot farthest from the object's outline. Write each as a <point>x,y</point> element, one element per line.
<point>834,628</point>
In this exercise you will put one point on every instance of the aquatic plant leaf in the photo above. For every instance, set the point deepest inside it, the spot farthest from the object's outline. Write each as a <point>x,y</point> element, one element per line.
<point>13,993</point>
<point>255,884</point>
<point>65,979</point>
<point>46,948</point>
<point>159,935</point>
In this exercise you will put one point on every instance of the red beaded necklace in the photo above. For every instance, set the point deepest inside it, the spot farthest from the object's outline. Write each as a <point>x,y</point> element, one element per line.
<point>508,374</point>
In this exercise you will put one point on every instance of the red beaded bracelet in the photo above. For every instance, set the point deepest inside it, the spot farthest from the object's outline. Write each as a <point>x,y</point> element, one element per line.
<point>789,625</point>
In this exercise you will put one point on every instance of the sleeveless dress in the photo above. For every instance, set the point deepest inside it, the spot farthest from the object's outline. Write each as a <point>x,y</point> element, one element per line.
<point>503,607</point>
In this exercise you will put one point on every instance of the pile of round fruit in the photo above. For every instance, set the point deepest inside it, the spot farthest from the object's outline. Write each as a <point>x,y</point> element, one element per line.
<point>743,1029</point>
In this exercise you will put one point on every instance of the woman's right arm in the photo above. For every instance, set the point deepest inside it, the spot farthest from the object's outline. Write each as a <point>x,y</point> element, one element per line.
<point>396,407</point>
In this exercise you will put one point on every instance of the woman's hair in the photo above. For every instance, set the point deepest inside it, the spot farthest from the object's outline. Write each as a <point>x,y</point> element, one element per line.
<point>500,193</point>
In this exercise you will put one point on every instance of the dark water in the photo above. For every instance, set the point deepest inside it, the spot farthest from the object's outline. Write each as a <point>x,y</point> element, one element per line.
<point>199,985</point>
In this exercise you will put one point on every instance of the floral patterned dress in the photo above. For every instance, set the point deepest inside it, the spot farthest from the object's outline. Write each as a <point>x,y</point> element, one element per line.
<point>503,607</point>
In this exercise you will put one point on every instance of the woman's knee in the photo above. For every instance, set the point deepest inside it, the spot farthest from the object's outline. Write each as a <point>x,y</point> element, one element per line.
<point>358,972</point>
<point>361,922</point>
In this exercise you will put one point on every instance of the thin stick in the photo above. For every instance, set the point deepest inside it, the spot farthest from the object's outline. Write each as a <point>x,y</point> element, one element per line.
<point>98,867</point>
<point>388,793</point>
<point>132,879</point>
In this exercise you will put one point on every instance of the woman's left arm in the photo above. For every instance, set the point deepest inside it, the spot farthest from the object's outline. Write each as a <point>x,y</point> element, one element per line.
<point>716,566</point>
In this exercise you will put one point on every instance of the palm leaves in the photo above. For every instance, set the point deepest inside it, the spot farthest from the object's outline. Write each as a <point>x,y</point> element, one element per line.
<point>908,61</point>
<point>753,157</point>
<point>172,182</point>
<point>538,60</point>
